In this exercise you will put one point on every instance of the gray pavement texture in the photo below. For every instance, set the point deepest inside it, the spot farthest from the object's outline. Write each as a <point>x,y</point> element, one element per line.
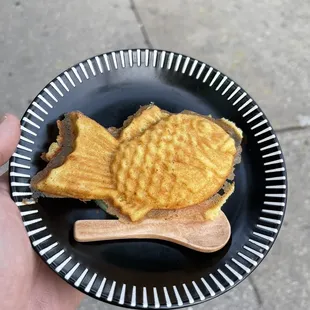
<point>263,45</point>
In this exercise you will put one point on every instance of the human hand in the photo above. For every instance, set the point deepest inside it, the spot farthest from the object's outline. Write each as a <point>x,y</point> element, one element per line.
<point>25,280</point>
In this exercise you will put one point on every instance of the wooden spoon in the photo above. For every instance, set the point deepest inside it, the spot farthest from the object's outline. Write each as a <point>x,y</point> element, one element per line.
<point>207,236</point>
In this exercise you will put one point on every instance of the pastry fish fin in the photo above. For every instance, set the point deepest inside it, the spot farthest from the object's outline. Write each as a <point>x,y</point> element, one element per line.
<point>145,117</point>
<point>135,212</point>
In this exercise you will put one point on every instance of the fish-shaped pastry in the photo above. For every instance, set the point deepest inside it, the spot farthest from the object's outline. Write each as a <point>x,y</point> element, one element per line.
<point>209,209</point>
<point>159,161</point>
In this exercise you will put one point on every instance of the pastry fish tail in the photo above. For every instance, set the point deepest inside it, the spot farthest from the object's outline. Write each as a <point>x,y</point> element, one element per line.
<point>79,163</point>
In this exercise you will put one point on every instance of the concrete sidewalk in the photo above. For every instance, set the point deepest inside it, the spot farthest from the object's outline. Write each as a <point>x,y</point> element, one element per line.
<point>261,44</point>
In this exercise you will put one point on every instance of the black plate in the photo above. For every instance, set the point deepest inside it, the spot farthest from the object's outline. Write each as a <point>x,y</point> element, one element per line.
<point>143,273</point>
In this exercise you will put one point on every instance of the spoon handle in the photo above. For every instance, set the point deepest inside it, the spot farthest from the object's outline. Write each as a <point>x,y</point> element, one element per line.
<point>99,230</point>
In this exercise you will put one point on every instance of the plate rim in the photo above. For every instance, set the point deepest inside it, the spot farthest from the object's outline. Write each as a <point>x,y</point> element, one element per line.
<point>108,59</point>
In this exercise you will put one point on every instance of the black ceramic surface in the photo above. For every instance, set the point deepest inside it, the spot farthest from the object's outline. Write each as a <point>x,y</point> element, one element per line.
<point>144,273</point>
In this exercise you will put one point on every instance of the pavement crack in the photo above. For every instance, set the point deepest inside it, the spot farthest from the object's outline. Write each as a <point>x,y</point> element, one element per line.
<point>140,22</point>
<point>256,291</point>
<point>291,128</point>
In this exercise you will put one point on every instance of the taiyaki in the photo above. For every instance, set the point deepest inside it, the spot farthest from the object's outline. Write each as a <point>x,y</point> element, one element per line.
<point>158,161</point>
<point>206,210</point>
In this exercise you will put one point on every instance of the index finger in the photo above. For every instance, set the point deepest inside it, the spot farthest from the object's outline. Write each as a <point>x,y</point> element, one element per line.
<point>9,136</point>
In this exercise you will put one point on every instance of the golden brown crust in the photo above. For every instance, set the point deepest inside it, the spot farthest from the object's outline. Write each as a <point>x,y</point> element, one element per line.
<point>206,210</point>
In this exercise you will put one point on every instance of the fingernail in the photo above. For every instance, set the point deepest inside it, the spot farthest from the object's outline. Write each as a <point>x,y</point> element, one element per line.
<point>3,118</point>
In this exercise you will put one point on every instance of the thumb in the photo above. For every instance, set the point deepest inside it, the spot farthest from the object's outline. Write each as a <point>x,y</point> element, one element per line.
<point>9,136</point>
